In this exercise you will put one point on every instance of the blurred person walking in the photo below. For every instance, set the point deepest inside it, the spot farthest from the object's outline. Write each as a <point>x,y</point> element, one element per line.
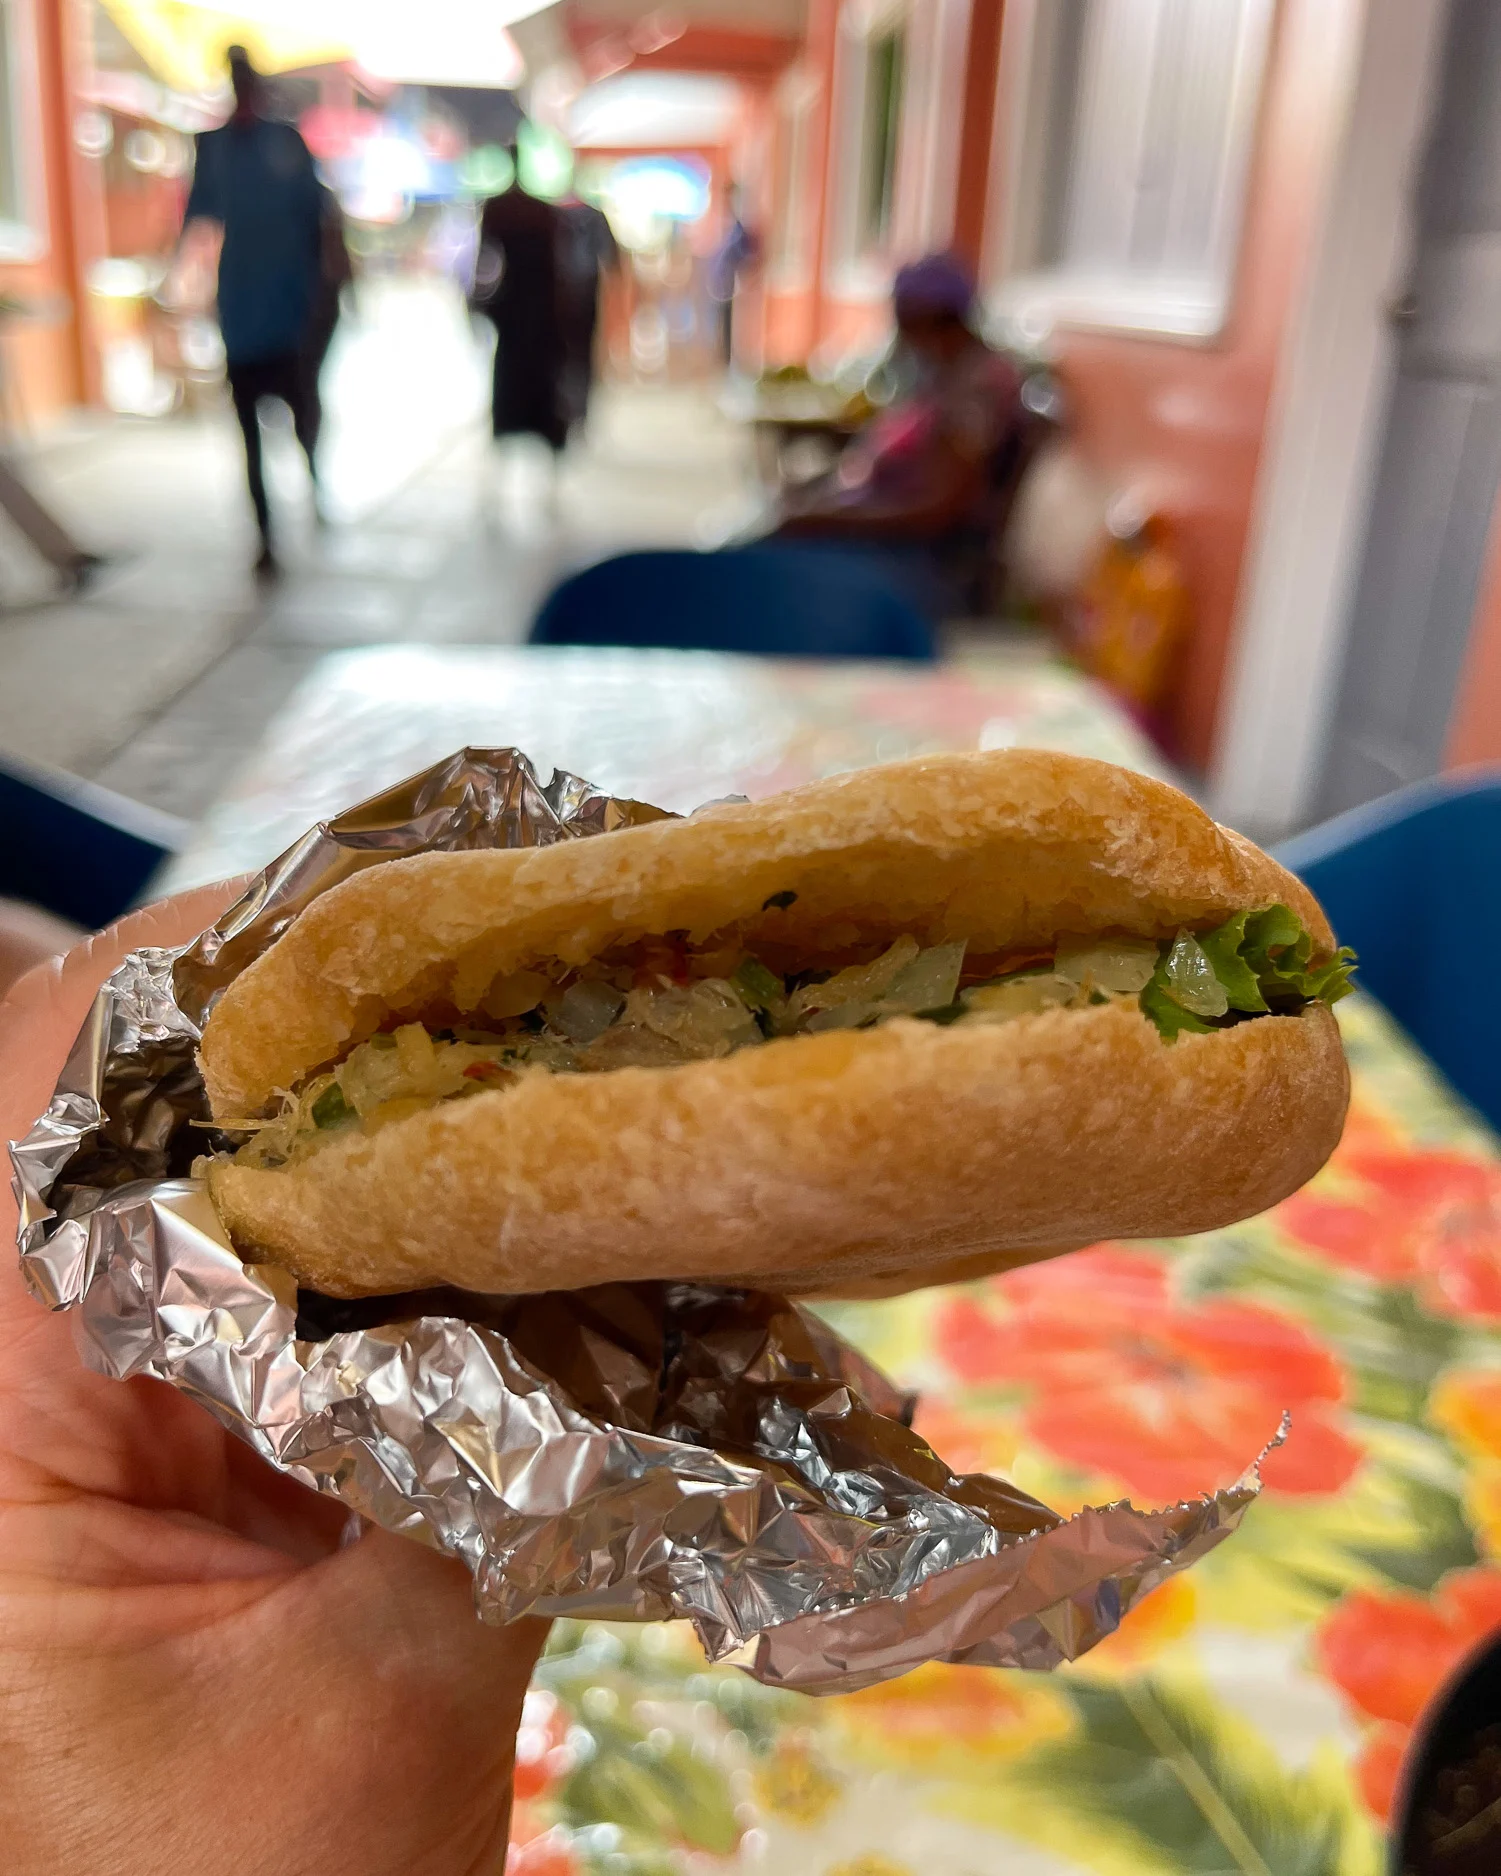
<point>27,514</point>
<point>74,564</point>
<point>518,286</point>
<point>335,272</point>
<point>737,255</point>
<point>255,178</point>
<point>587,251</point>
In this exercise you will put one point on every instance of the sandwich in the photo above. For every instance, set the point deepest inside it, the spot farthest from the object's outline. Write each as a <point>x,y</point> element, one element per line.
<point>912,1024</point>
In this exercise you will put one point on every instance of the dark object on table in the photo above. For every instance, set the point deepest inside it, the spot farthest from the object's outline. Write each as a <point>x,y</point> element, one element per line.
<point>1413,882</point>
<point>780,602</point>
<point>1447,1821</point>
<point>79,851</point>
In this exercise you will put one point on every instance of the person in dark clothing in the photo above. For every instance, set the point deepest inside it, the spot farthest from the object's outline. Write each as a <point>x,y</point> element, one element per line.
<point>335,272</point>
<point>255,178</point>
<point>518,288</point>
<point>737,254</point>
<point>586,250</point>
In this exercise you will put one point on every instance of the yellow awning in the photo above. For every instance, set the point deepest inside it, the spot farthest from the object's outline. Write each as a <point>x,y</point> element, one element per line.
<point>184,44</point>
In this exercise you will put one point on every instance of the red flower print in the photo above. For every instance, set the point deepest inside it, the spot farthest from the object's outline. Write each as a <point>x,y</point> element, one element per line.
<point>1170,1398</point>
<point>1432,1220</point>
<point>1390,1651</point>
<point>547,1855</point>
<point>1378,1766</point>
<point>542,1753</point>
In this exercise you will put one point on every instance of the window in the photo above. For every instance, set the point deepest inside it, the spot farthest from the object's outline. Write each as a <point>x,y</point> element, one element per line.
<point>878,140</point>
<point>797,96</point>
<point>1135,122</point>
<point>869,89</point>
<point>21,234</point>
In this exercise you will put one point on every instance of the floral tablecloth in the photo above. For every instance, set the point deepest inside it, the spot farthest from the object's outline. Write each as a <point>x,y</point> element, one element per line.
<point>1250,1717</point>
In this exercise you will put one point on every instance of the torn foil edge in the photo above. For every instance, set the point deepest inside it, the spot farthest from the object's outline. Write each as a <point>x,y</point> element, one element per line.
<point>440,1430</point>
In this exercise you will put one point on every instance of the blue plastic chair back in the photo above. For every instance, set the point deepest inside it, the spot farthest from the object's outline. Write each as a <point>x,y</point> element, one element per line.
<point>74,849</point>
<point>1413,881</point>
<point>778,601</point>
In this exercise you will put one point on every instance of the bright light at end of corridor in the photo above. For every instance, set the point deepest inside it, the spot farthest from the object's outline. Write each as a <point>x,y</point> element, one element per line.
<point>461,42</point>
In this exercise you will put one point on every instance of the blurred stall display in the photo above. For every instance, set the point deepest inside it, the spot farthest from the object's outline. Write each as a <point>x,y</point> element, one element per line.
<point>1130,618</point>
<point>801,423</point>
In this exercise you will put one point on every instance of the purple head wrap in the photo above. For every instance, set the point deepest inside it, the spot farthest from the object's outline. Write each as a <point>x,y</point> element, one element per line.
<point>938,283</point>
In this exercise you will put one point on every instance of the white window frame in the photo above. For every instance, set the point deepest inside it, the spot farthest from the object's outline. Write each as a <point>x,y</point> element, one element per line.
<point>25,239</point>
<point>1029,300</point>
<point>927,179</point>
<point>790,263</point>
<point>853,270</point>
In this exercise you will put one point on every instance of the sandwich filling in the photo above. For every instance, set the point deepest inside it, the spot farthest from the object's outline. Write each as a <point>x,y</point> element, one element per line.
<point>663,1002</point>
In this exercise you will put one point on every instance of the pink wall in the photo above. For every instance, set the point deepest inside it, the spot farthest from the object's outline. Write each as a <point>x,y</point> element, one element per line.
<point>53,358</point>
<point>1475,731</point>
<point>1186,421</point>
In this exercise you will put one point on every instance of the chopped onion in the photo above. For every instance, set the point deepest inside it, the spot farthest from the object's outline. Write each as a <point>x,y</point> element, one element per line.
<point>929,982</point>
<point>1122,966</point>
<point>1026,994</point>
<point>703,1019</point>
<point>586,1010</point>
<point>1190,980</point>
<point>415,1050</point>
<point>514,995</point>
<point>860,983</point>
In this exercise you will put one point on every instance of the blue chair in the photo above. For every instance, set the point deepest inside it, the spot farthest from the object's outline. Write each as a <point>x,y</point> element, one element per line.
<point>1413,881</point>
<point>781,601</point>
<point>74,849</point>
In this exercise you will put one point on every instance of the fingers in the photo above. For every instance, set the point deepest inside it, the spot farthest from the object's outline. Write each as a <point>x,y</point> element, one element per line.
<point>43,1012</point>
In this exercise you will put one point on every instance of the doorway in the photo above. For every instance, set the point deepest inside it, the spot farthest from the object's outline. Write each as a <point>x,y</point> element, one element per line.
<point>1439,460</point>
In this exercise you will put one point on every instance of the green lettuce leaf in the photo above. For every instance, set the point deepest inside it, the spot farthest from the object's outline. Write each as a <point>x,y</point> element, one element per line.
<point>1170,1016</point>
<point>1262,959</point>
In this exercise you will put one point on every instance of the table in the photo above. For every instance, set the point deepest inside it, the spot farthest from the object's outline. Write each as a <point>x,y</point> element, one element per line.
<point>800,426</point>
<point>1250,1716</point>
<point>676,728</point>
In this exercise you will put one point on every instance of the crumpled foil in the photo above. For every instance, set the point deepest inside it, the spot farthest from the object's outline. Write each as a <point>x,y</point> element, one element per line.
<point>632,1452</point>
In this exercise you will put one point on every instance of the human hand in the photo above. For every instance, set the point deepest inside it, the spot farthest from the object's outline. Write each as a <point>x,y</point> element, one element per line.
<point>196,1673</point>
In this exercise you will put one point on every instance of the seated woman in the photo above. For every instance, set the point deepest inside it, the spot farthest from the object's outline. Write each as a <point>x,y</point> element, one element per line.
<point>918,483</point>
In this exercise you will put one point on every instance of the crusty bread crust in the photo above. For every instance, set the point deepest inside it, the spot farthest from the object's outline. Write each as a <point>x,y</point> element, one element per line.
<point>1008,849</point>
<point>880,1159</point>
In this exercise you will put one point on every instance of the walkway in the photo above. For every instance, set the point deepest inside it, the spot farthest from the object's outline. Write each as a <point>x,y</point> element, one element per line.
<point>159,680</point>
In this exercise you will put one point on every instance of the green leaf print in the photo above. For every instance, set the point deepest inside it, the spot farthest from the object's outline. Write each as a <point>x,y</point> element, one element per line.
<point>1159,1779</point>
<point>654,1789</point>
<point>1429,1539</point>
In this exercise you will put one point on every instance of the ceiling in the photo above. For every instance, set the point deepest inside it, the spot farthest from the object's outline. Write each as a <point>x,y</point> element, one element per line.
<point>781,19</point>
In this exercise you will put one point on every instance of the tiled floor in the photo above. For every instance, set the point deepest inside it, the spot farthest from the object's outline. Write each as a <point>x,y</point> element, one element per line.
<point>160,679</point>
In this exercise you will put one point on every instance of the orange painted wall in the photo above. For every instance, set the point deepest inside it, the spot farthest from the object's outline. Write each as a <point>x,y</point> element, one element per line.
<point>987,19</point>
<point>791,314</point>
<point>53,359</point>
<point>1475,732</point>
<point>814,315</point>
<point>1186,421</point>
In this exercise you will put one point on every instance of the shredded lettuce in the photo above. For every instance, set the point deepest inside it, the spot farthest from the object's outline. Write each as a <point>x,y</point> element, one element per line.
<point>331,1109</point>
<point>614,1014</point>
<point>1254,964</point>
<point>757,987</point>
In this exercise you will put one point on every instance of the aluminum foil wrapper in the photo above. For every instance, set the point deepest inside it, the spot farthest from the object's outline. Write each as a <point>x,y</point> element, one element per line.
<point>636,1452</point>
